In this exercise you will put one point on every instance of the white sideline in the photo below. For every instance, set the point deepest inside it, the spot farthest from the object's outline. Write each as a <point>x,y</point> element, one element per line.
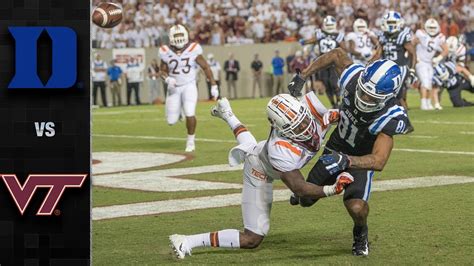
<point>157,207</point>
<point>443,122</point>
<point>233,141</point>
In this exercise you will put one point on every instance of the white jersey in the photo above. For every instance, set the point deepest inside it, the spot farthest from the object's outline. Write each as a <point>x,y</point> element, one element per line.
<point>428,46</point>
<point>458,57</point>
<point>182,67</point>
<point>362,42</point>
<point>278,154</point>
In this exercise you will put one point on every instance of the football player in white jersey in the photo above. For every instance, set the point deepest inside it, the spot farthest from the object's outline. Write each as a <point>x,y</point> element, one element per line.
<point>362,42</point>
<point>178,63</point>
<point>429,42</point>
<point>297,132</point>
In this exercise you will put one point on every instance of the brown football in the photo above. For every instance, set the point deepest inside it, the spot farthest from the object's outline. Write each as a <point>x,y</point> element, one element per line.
<point>107,15</point>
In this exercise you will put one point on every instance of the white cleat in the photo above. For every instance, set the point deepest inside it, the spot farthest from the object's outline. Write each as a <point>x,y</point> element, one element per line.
<point>190,147</point>
<point>222,109</point>
<point>438,107</point>
<point>429,106</point>
<point>178,244</point>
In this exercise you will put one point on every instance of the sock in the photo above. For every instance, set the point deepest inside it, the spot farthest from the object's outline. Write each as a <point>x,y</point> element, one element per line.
<point>191,138</point>
<point>360,230</point>
<point>199,240</point>
<point>229,238</point>
<point>233,122</point>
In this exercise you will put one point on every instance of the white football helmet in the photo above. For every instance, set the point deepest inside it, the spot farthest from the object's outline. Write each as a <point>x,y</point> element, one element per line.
<point>392,22</point>
<point>330,24</point>
<point>179,36</point>
<point>360,26</point>
<point>441,72</point>
<point>432,27</point>
<point>290,118</point>
<point>453,44</point>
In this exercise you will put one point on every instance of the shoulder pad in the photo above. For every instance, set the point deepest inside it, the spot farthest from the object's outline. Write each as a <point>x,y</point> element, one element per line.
<point>348,74</point>
<point>392,122</point>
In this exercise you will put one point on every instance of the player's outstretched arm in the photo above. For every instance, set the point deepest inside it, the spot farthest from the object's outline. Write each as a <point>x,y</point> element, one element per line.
<point>164,70</point>
<point>378,158</point>
<point>335,162</point>
<point>337,57</point>
<point>207,71</point>
<point>294,180</point>
<point>410,47</point>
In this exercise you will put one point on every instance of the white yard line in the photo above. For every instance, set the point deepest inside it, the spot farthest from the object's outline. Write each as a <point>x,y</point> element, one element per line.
<point>422,137</point>
<point>467,132</point>
<point>233,141</point>
<point>436,151</point>
<point>443,122</point>
<point>157,207</point>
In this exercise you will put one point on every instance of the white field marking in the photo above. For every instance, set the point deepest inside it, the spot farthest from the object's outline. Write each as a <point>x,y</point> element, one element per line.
<point>466,133</point>
<point>443,122</point>
<point>112,162</point>
<point>163,138</point>
<point>163,181</point>
<point>166,206</point>
<point>233,141</point>
<point>422,137</point>
<point>435,151</point>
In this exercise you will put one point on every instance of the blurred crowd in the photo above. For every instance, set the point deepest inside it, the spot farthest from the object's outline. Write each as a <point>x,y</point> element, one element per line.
<point>218,22</point>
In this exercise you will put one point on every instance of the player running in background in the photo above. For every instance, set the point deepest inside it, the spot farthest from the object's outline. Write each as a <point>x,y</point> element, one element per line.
<point>327,39</point>
<point>361,42</point>
<point>363,140</point>
<point>178,63</point>
<point>455,79</point>
<point>297,132</point>
<point>395,42</point>
<point>428,42</point>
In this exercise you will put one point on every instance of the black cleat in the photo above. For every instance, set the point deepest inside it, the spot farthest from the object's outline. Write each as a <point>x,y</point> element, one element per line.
<point>294,200</point>
<point>360,247</point>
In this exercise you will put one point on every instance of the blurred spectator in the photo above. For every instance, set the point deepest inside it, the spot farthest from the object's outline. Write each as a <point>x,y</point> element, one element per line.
<point>257,66</point>
<point>134,72</point>
<point>298,63</point>
<point>278,79</point>
<point>216,74</point>
<point>231,68</point>
<point>115,76</point>
<point>154,82</point>
<point>99,74</point>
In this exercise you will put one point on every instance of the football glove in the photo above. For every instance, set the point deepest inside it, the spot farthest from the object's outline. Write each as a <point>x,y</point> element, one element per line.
<point>296,85</point>
<point>330,117</point>
<point>335,162</point>
<point>301,41</point>
<point>170,81</point>
<point>214,92</point>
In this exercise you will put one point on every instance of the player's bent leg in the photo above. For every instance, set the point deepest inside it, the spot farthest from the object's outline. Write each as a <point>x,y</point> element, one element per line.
<point>173,108</point>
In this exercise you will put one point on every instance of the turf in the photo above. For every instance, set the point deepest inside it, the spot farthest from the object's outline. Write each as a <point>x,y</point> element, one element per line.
<point>150,121</point>
<point>415,226</point>
<point>429,226</point>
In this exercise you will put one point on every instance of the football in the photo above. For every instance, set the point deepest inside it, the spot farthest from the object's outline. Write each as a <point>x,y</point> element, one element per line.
<point>107,15</point>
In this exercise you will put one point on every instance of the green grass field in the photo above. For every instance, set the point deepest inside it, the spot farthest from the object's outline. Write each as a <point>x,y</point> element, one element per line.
<point>413,226</point>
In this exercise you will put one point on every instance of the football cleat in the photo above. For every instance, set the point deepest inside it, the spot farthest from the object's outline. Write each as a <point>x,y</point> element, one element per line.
<point>342,181</point>
<point>222,109</point>
<point>294,200</point>
<point>360,247</point>
<point>438,106</point>
<point>178,244</point>
<point>190,147</point>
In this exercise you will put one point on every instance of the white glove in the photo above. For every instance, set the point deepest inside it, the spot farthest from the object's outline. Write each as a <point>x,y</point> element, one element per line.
<point>471,79</point>
<point>171,82</point>
<point>214,92</point>
<point>330,117</point>
<point>437,59</point>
